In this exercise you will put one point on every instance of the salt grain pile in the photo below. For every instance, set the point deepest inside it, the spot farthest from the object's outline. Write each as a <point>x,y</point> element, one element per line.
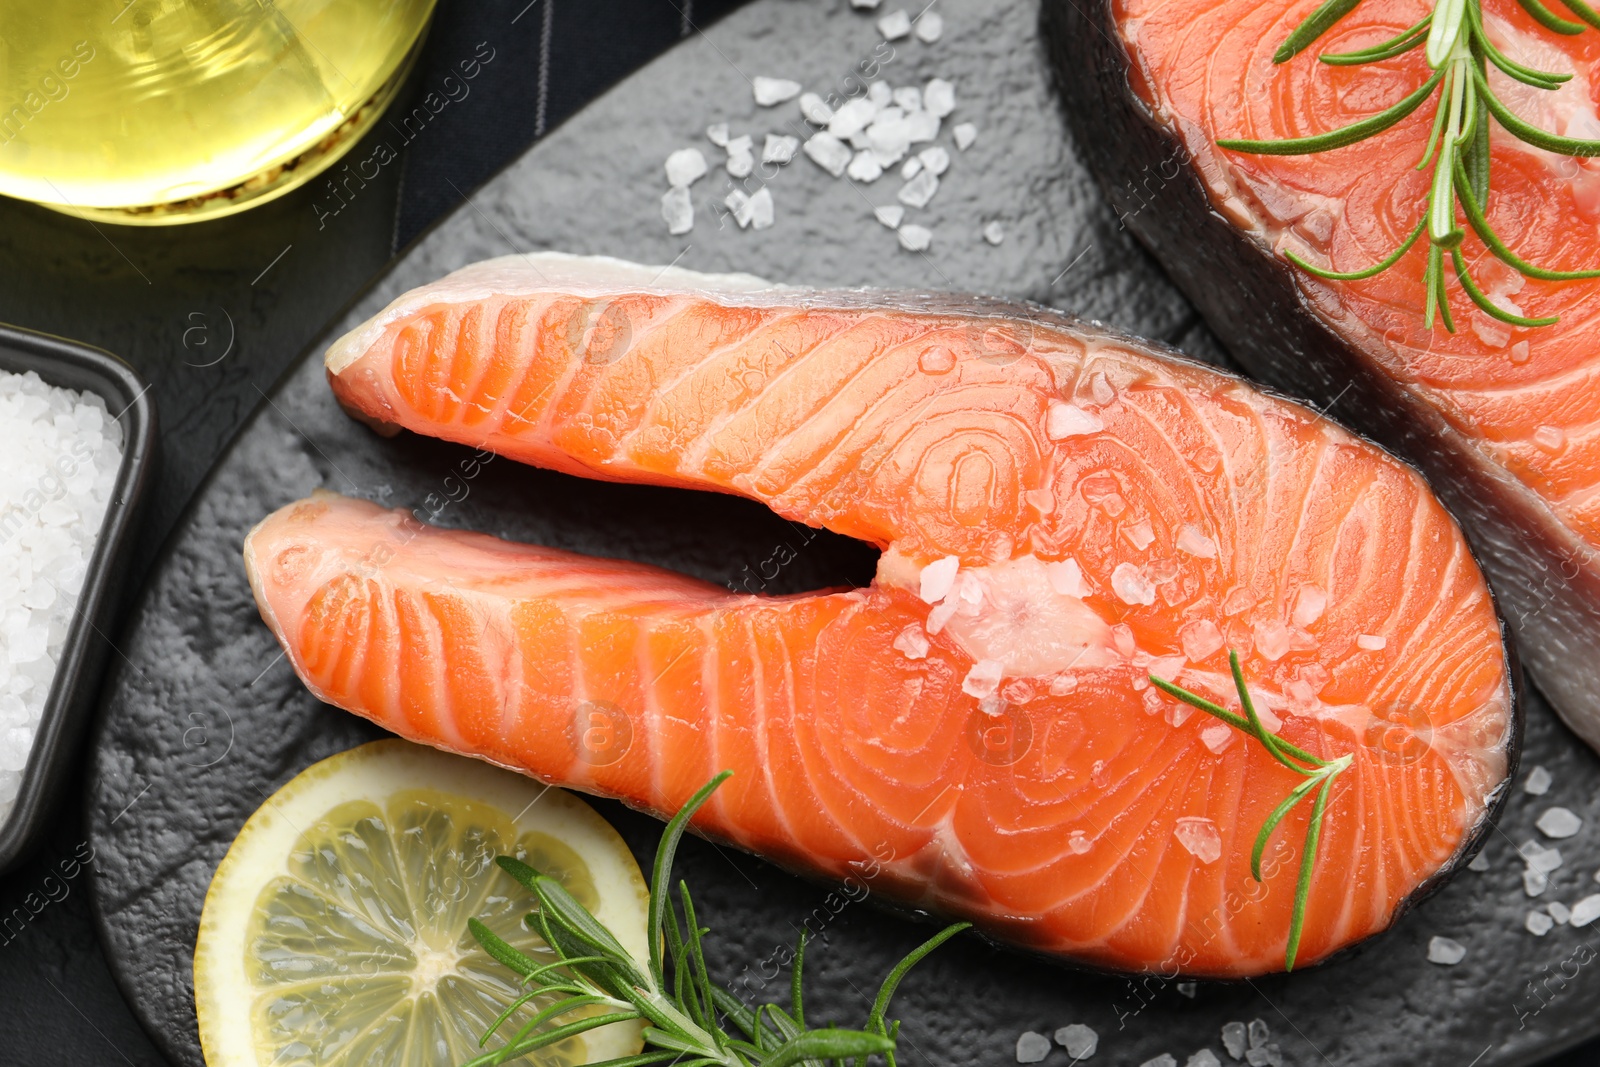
<point>63,450</point>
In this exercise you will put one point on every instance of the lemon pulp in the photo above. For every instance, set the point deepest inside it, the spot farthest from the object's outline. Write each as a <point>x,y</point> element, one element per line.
<point>335,930</point>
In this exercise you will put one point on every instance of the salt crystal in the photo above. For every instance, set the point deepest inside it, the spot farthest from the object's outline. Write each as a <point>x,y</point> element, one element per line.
<point>937,579</point>
<point>1259,1034</point>
<point>1559,912</point>
<point>1131,586</point>
<point>1066,578</point>
<point>1193,541</point>
<point>994,233</point>
<point>1519,352</point>
<point>935,159</point>
<point>828,152</point>
<point>1078,843</point>
<point>1069,420</point>
<point>771,91</point>
<point>1216,738</point>
<point>1480,862</point>
<point>1538,782</point>
<point>1079,1040</point>
<point>890,215</point>
<point>779,148</point>
<point>1549,438</point>
<point>919,190</point>
<point>685,167</point>
<point>913,165</point>
<point>1163,1060</point>
<point>939,97</point>
<point>1490,331</point>
<point>915,238</point>
<point>894,25</point>
<point>677,210</point>
<point>1201,639</point>
<point>717,134</point>
<point>912,643</point>
<point>1539,858</point>
<point>965,133</point>
<point>1272,639</point>
<point>1139,534</point>
<point>865,5</point>
<point>1559,823</point>
<point>1535,882</point>
<point>923,125</point>
<point>1371,642</point>
<point>929,27</point>
<point>1538,923</point>
<point>758,210</point>
<point>908,98</point>
<point>1017,691</point>
<point>1266,1056</point>
<point>1233,1039</point>
<point>1063,683</point>
<point>737,201</point>
<point>983,679</point>
<point>815,110</point>
<point>1188,989</point>
<point>864,167</point>
<point>889,137</point>
<point>1032,1047</point>
<point>1204,1058</point>
<point>880,93</point>
<point>740,164</point>
<point>1122,639</point>
<point>1586,910</point>
<point>855,116</point>
<point>1309,605</point>
<point>1198,835</point>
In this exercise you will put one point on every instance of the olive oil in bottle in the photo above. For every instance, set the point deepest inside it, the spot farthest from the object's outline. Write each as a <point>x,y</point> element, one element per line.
<point>160,111</point>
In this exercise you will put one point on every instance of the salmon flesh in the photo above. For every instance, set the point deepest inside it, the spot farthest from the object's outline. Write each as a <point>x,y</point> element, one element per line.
<point>1504,420</point>
<point>1062,512</point>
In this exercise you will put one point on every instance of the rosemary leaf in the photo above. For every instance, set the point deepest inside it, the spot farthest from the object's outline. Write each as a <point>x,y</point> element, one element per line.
<point>1549,19</point>
<point>1583,11</point>
<point>1346,135</point>
<point>1366,272</point>
<point>1295,796</point>
<point>1397,45</point>
<point>1308,864</point>
<point>660,900</point>
<point>1550,142</point>
<point>828,1044</point>
<point>1488,307</point>
<point>1475,217</point>
<point>795,1003</point>
<point>1315,25</point>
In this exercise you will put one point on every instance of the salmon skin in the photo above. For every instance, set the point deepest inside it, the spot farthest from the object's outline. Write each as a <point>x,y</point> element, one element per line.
<point>1062,512</point>
<point>1501,419</point>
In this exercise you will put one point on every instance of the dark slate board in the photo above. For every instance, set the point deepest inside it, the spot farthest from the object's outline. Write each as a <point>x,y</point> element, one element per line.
<point>204,720</point>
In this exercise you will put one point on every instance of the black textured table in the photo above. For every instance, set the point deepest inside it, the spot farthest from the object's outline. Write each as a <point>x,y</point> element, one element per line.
<point>268,281</point>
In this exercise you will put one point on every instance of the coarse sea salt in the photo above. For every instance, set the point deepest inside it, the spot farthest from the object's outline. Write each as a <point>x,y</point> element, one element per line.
<point>915,238</point>
<point>1538,782</point>
<point>1079,1040</point>
<point>62,454</point>
<point>1198,836</point>
<point>772,91</point>
<point>894,25</point>
<point>1559,823</point>
<point>1445,951</point>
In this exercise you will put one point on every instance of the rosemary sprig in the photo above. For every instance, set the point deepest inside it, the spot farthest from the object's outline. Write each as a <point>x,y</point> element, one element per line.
<point>1319,775</point>
<point>687,1013</point>
<point>1459,52</point>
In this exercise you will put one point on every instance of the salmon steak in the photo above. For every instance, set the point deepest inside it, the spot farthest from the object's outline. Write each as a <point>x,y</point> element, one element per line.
<point>1503,419</point>
<point>1062,513</point>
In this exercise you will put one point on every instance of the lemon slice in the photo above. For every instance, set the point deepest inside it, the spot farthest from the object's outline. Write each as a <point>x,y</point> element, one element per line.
<point>335,929</point>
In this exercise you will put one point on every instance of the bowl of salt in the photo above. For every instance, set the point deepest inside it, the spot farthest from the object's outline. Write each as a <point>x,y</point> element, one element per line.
<point>77,429</point>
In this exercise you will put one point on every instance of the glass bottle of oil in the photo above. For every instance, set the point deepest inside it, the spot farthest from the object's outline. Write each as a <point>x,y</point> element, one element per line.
<point>159,111</point>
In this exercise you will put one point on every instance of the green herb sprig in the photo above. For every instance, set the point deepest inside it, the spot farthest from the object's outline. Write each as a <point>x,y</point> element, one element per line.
<point>687,1014</point>
<point>1319,775</point>
<point>1459,53</point>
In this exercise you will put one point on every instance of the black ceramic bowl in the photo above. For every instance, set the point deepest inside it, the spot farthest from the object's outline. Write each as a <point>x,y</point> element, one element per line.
<point>70,365</point>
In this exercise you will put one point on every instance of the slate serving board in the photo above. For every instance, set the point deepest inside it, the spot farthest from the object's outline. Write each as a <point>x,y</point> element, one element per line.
<point>203,719</point>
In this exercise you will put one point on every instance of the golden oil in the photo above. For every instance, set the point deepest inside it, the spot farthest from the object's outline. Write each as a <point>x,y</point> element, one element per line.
<point>158,111</point>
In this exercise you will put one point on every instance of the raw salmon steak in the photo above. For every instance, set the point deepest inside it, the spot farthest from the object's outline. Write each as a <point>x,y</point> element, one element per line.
<point>1504,420</point>
<point>1061,513</point>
